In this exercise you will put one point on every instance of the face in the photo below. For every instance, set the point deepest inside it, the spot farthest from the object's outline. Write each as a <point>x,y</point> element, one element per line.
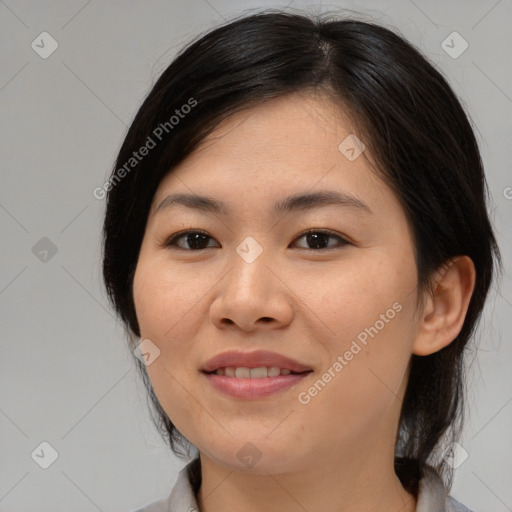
<point>339,301</point>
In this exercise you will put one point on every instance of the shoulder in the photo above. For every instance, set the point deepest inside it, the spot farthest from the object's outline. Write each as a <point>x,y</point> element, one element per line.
<point>432,494</point>
<point>182,497</point>
<point>155,506</point>
<point>456,506</point>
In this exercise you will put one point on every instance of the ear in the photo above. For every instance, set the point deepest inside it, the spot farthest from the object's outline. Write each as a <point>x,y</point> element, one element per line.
<point>445,307</point>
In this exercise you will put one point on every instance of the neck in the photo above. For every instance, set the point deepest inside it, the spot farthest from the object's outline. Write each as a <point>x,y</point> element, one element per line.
<point>331,485</point>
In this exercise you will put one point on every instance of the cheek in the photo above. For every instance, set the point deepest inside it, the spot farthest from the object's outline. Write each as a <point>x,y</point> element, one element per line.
<point>170,308</point>
<point>361,386</point>
<point>164,297</point>
<point>168,304</point>
<point>369,312</point>
<point>358,293</point>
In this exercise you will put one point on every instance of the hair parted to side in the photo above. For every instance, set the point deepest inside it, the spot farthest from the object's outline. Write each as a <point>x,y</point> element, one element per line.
<point>421,143</point>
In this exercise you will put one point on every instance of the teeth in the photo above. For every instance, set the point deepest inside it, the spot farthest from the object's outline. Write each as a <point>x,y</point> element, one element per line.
<point>258,373</point>
<point>243,373</point>
<point>273,372</point>
<point>252,373</point>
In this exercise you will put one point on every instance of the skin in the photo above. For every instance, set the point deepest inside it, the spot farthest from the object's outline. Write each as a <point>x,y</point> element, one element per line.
<point>336,452</point>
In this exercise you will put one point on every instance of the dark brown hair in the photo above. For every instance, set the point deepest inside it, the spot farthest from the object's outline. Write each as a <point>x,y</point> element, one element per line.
<point>418,135</point>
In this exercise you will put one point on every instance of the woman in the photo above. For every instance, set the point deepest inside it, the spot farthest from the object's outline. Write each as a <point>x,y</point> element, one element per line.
<point>297,240</point>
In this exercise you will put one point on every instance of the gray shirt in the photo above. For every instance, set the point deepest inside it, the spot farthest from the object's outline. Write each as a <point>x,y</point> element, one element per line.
<point>432,496</point>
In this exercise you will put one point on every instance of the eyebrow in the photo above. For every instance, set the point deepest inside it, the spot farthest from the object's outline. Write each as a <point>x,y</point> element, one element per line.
<point>297,202</point>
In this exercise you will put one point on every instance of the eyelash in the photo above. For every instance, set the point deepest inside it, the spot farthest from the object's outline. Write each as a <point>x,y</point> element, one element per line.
<point>171,242</point>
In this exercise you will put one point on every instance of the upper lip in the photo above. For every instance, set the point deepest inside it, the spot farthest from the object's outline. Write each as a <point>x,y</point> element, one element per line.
<point>257,359</point>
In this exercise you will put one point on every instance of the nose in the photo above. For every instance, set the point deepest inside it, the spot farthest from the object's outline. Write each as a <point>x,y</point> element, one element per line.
<point>252,296</point>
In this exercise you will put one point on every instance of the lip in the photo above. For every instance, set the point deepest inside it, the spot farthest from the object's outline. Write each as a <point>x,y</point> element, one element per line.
<point>254,389</point>
<point>254,359</point>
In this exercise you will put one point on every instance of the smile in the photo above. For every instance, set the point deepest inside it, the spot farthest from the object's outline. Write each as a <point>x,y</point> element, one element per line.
<point>252,373</point>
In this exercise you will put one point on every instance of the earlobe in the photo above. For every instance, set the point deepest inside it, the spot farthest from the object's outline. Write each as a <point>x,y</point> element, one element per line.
<point>446,306</point>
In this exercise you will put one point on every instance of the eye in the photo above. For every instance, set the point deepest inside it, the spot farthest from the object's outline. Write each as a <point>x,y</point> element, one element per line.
<point>195,239</point>
<point>319,239</point>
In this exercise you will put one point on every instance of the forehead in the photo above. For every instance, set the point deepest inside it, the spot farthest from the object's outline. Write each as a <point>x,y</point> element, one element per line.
<point>299,121</point>
<point>284,146</point>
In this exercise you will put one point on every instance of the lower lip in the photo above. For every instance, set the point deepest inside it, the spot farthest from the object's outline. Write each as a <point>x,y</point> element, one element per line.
<point>253,388</point>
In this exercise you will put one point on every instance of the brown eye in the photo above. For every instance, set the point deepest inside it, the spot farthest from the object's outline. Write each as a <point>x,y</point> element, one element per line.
<point>193,240</point>
<point>318,240</point>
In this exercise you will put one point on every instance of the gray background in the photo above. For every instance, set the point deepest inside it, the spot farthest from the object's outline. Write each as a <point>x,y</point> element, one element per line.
<point>66,374</point>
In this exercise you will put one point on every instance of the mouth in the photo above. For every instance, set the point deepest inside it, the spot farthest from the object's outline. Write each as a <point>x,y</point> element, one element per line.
<point>253,375</point>
<point>262,372</point>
